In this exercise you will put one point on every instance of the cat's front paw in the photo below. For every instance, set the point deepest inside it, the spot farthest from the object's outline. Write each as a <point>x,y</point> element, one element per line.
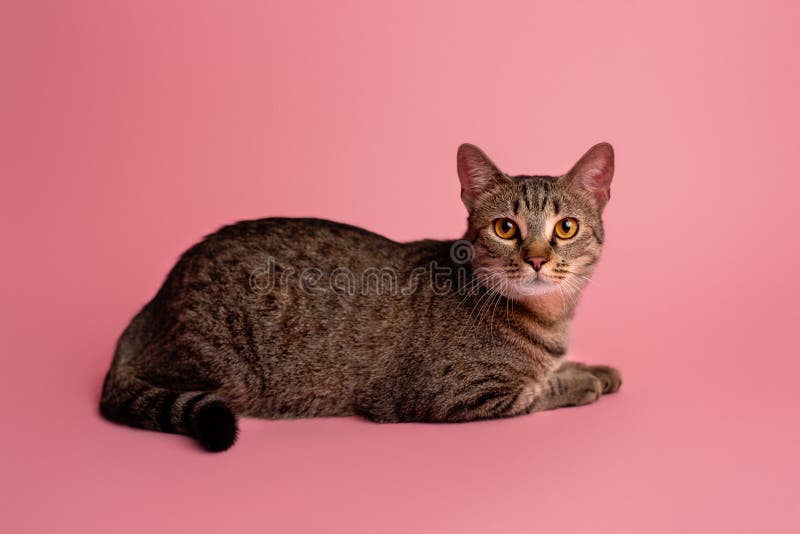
<point>591,390</point>
<point>609,377</point>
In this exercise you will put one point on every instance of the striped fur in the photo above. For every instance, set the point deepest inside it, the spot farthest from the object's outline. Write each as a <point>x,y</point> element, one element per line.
<point>217,342</point>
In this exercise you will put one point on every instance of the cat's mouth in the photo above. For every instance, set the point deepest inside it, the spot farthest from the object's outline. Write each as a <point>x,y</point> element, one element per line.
<point>535,284</point>
<point>520,284</point>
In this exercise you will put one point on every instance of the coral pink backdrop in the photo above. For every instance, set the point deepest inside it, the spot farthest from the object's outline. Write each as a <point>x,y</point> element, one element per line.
<point>130,129</point>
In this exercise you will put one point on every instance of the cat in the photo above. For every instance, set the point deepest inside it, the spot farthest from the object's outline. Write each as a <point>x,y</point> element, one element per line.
<point>286,318</point>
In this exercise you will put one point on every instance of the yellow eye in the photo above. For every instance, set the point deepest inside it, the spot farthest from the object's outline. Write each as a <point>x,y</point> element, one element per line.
<point>567,228</point>
<point>505,228</point>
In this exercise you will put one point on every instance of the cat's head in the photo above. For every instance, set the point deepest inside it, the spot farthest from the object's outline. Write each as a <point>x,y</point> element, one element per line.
<point>535,235</point>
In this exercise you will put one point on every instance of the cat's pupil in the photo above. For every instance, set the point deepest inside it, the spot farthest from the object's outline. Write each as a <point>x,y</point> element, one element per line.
<point>506,226</point>
<point>566,226</point>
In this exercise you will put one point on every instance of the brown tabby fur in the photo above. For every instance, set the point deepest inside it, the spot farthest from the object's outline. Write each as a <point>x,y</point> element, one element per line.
<point>240,327</point>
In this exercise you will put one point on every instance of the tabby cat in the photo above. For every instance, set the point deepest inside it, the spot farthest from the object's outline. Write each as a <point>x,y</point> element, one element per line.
<point>284,318</point>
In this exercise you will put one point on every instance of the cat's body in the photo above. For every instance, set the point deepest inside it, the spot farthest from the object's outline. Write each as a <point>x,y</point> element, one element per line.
<point>280,318</point>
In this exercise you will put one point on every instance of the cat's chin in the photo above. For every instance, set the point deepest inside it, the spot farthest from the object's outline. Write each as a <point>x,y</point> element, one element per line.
<point>524,289</point>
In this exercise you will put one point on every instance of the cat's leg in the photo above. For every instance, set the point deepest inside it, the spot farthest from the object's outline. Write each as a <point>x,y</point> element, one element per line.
<point>571,384</point>
<point>482,397</point>
<point>610,377</point>
<point>488,397</point>
<point>576,384</point>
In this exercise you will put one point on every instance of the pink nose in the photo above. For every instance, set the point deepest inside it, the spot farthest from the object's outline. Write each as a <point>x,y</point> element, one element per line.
<point>536,262</point>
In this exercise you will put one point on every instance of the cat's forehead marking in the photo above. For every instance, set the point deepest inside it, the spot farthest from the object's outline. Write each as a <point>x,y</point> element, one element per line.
<point>538,192</point>
<point>525,197</point>
<point>542,201</point>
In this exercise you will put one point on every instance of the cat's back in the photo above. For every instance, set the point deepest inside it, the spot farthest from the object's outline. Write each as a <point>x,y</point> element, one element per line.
<point>297,228</point>
<point>293,237</point>
<point>273,261</point>
<point>246,248</point>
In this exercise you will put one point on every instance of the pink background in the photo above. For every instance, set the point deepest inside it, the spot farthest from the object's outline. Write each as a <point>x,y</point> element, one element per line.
<point>128,131</point>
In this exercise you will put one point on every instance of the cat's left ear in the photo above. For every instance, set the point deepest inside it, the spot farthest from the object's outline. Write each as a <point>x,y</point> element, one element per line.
<point>593,173</point>
<point>476,172</point>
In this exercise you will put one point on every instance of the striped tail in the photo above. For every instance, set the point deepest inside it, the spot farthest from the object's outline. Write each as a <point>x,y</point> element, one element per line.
<point>201,414</point>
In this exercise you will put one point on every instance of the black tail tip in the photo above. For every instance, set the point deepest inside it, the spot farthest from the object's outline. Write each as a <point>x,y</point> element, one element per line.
<point>215,426</point>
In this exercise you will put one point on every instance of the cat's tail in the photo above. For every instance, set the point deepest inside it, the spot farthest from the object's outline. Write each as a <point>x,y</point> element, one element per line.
<point>129,400</point>
<point>200,414</point>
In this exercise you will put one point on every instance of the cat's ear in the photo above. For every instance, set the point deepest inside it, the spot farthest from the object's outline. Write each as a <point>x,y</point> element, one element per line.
<point>476,172</point>
<point>593,173</point>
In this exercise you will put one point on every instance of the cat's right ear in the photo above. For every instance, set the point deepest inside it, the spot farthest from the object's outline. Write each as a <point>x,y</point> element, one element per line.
<point>593,173</point>
<point>476,172</point>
